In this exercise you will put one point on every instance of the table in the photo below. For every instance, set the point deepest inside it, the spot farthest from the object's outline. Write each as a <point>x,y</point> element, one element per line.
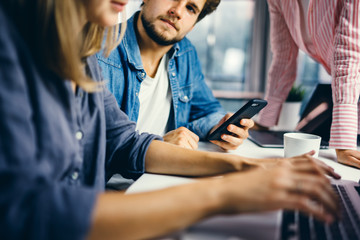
<point>249,226</point>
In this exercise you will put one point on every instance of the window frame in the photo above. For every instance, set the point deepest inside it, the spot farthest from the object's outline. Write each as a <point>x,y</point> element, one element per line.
<point>255,82</point>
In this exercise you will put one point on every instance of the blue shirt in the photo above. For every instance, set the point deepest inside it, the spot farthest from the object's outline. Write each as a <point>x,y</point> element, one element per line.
<point>193,104</point>
<point>57,148</point>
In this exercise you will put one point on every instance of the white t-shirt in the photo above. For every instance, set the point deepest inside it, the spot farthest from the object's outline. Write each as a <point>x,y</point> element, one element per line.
<point>155,102</point>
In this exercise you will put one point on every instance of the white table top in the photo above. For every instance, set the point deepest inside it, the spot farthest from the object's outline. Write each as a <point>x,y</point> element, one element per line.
<point>239,226</point>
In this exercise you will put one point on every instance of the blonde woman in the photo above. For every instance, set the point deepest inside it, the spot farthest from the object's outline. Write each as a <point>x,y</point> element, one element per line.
<point>62,133</point>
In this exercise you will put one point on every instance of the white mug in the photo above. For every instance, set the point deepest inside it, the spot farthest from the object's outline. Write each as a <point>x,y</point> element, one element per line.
<point>299,143</point>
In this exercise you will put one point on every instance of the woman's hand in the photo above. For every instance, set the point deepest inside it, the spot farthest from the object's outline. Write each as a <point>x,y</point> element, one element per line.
<point>348,157</point>
<point>305,158</point>
<point>298,184</point>
<point>318,165</point>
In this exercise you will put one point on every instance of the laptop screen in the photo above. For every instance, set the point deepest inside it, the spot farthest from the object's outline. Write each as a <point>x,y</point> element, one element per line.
<point>317,115</point>
<point>315,119</point>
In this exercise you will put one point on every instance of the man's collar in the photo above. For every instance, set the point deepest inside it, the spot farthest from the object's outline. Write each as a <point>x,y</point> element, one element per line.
<point>130,43</point>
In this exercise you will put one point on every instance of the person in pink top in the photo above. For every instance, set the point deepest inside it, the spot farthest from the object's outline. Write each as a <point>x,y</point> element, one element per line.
<point>329,32</point>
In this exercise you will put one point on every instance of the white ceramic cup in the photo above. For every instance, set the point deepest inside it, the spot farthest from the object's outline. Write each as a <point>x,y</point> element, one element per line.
<point>299,143</point>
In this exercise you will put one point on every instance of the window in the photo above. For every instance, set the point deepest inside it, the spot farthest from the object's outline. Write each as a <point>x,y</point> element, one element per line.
<point>132,7</point>
<point>226,54</point>
<point>232,46</point>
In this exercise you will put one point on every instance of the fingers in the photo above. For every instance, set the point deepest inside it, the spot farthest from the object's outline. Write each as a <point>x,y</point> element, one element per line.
<point>228,145</point>
<point>308,192</point>
<point>348,157</point>
<point>232,142</point>
<point>284,187</point>
<point>182,137</point>
<point>303,184</point>
<point>239,134</point>
<point>307,163</point>
<point>316,190</point>
<point>327,169</point>
<point>350,161</point>
<point>309,207</point>
<point>247,123</point>
<point>190,143</point>
<point>226,117</point>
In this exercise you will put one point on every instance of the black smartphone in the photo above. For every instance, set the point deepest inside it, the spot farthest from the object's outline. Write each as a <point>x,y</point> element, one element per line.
<point>251,108</point>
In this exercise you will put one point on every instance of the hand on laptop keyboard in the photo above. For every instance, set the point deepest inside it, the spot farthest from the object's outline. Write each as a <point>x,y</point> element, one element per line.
<point>317,165</point>
<point>298,226</point>
<point>299,184</point>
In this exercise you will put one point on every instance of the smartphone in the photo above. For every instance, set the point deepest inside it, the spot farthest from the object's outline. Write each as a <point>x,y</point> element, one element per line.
<point>251,108</point>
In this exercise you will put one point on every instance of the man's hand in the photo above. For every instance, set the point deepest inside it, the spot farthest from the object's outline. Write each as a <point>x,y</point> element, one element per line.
<point>348,157</point>
<point>182,137</point>
<point>231,142</point>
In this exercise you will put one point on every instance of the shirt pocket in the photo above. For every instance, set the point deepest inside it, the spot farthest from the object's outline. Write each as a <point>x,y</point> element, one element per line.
<point>185,94</point>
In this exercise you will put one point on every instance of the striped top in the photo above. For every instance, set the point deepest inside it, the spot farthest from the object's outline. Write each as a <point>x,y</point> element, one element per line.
<point>331,37</point>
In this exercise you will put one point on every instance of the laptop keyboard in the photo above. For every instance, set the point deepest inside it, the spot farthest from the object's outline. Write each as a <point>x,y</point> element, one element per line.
<point>296,225</point>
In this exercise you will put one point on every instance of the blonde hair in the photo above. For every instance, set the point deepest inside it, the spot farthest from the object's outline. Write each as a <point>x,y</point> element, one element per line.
<point>67,50</point>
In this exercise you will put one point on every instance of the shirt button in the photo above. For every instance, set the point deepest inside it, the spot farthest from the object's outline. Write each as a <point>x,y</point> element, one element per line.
<point>186,98</point>
<point>75,175</point>
<point>137,94</point>
<point>173,74</point>
<point>79,135</point>
<point>142,75</point>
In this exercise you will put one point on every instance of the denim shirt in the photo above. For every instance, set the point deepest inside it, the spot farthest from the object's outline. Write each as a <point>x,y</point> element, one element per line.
<point>57,148</point>
<point>193,104</point>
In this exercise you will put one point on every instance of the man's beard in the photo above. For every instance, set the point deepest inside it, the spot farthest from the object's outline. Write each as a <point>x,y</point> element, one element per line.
<point>155,36</point>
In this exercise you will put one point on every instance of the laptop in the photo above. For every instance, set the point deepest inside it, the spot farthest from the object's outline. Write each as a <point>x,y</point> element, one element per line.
<point>296,225</point>
<point>285,225</point>
<point>315,119</point>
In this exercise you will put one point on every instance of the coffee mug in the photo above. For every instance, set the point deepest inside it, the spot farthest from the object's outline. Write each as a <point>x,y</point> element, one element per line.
<point>299,143</point>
